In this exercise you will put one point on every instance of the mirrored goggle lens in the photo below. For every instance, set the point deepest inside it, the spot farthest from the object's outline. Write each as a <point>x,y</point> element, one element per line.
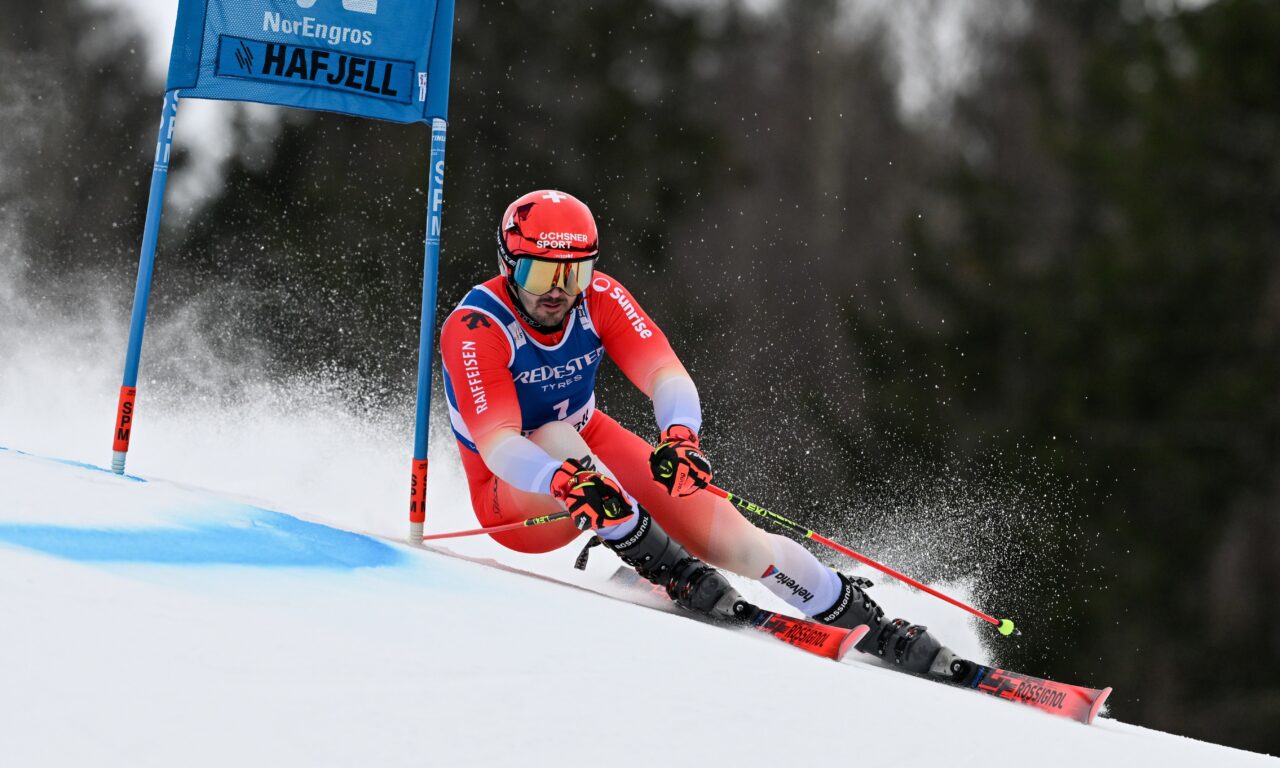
<point>539,277</point>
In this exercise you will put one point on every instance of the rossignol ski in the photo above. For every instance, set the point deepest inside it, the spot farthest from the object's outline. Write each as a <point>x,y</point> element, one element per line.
<point>830,642</point>
<point>1063,699</point>
<point>819,639</point>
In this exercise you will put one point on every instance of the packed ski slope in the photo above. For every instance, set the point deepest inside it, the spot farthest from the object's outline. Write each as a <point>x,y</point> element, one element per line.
<point>151,623</point>
<point>242,598</point>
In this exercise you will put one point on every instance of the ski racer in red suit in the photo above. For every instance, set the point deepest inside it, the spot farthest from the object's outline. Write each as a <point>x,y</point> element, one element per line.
<point>521,352</point>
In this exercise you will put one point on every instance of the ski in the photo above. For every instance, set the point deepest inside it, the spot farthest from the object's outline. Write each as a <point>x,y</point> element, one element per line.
<point>819,639</point>
<point>826,641</point>
<point>1062,699</point>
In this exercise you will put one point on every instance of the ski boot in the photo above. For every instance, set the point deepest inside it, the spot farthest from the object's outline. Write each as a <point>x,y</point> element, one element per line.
<point>691,583</point>
<point>900,642</point>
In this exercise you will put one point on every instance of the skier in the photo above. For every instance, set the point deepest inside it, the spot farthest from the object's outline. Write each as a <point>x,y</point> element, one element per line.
<point>520,355</point>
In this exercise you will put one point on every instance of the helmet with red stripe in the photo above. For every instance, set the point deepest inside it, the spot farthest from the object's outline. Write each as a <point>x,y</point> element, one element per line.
<point>548,239</point>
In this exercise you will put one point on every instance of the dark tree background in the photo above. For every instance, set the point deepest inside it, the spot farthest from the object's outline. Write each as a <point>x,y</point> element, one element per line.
<point>1029,337</point>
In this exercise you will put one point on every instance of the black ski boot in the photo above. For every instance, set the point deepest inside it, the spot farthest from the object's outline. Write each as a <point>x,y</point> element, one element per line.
<point>662,560</point>
<point>906,645</point>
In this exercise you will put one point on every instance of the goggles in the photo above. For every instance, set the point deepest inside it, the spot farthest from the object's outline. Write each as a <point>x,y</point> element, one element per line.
<point>538,276</point>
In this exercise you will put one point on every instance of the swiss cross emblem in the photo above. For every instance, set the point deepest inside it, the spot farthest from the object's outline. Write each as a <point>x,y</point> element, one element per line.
<point>554,196</point>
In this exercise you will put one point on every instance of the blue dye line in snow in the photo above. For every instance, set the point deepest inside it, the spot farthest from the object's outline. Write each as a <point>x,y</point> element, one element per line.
<point>265,539</point>
<point>224,534</point>
<point>70,463</point>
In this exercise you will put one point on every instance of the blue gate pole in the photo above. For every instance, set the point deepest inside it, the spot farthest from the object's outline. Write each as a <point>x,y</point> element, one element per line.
<point>426,335</point>
<point>142,291</point>
<point>437,107</point>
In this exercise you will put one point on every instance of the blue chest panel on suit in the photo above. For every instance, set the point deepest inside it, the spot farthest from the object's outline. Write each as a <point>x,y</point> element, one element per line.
<point>555,383</point>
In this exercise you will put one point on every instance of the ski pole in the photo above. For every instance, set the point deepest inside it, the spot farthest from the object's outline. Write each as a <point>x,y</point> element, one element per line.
<point>1004,626</point>
<point>551,518</point>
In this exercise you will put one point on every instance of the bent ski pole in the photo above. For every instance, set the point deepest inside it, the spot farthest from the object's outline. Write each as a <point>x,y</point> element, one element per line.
<point>1005,626</point>
<point>551,518</point>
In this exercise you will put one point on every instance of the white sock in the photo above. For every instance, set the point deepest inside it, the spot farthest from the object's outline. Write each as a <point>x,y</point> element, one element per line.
<point>797,577</point>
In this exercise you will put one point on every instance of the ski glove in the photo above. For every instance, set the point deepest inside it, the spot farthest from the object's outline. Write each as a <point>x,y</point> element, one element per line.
<point>678,463</point>
<point>593,500</point>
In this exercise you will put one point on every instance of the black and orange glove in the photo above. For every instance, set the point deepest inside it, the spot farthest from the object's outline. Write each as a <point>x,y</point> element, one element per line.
<point>593,500</point>
<point>678,463</point>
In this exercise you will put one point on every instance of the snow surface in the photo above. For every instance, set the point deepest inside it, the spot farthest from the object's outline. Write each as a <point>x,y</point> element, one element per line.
<point>244,600</point>
<point>149,623</point>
